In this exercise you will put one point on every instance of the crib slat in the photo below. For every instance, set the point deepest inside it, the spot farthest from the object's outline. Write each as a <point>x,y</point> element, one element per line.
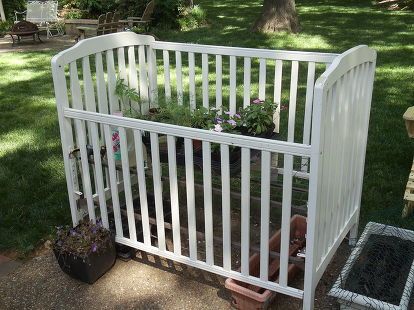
<point>247,81</point>
<point>205,79</point>
<point>156,172</point>
<point>100,85</point>
<point>142,187</point>
<point>143,76</point>
<point>278,93</point>
<point>112,179</point>
<point>152,77</point>
<point>265,215</point>
<point>208,203</point>
<point>167,86</point>
<point>99,174</point>
<point>191,70</point>
<point>189,176</point>
<point>262,79</point>
<point>133,78</point>
<point>127,184</point>
<point>232,103</point>
<point>122,72</point>
<point>219,82</point>
<point>292,100</point>
<point>286,213</point>
<point>308,110</point>
<point>225,197</point>
<point>175,211</point>
<point>179,77</point>
<point>245,210</point>
<point>88,85</point>
<point>81,138</point>
<point>113,99</point>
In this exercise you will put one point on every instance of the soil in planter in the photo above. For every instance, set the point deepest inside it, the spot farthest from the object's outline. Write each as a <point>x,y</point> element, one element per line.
<point>381,270</point>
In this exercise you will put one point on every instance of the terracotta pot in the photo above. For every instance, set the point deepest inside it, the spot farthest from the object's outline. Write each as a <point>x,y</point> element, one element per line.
<point>246,296</point>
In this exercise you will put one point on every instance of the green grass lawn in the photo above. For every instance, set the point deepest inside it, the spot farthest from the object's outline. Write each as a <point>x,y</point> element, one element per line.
<point>32,185</point>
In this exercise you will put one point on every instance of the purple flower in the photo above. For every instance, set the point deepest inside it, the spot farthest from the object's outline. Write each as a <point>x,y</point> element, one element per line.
<point>257,101</point>
<point>219,120</point>
<point>228,113</point>
<point>94,229</point>
<point>232,122</point>
<point>94,247</point>
<point>237,115</point>
<point>73,232</point>
<point>99,223</point>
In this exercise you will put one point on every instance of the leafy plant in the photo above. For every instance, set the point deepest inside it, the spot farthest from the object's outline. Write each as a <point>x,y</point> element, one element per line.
<point>227,122</point>
<point>173,113</point>
<point>124,92</point>
<point>191,17</point>
<point>5,26</point>
<point>258,116</point>
<point>82,240</point>
<point>203,118</point>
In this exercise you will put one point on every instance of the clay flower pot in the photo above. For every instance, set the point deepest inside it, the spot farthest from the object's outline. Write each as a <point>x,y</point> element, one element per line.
<point>247,296</point>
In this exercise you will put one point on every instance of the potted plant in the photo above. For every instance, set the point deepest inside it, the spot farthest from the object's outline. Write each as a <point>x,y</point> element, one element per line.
<point>85,252</point>
<point>258,118</point>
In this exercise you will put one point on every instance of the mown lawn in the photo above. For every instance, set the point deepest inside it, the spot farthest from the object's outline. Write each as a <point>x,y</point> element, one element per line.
<point>32,186</point>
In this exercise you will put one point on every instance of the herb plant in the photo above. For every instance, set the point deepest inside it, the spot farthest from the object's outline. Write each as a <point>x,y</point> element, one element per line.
<point>258,116</point>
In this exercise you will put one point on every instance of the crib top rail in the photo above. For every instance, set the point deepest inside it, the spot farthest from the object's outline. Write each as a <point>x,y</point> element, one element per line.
<point>123,39</point>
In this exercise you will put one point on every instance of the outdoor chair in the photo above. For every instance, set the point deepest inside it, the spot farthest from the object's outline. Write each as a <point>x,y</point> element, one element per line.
<point>146,18</point>
<point>44,15</point>
<point>107,23</point>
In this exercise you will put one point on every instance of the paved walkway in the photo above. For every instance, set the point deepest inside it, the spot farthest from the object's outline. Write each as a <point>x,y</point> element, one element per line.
<point>54,43</point>
<point>143,283</point>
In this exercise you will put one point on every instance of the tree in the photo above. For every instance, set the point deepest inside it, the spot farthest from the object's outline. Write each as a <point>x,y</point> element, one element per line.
<point>277,15</point>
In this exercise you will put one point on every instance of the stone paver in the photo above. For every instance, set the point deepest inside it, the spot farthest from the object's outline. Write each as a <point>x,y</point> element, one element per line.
<point>7,265</point>
<point>54,43</point>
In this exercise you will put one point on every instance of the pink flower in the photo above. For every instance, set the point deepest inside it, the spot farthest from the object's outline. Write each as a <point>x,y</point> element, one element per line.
<point>232,122</point>
<point>257,101</point>
<point>218,128</point>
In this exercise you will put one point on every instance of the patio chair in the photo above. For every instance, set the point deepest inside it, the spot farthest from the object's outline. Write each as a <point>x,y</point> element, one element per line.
<point>145,19</point>
<point>107,23</point>
<point>43,14</point>
<point>24,29</point>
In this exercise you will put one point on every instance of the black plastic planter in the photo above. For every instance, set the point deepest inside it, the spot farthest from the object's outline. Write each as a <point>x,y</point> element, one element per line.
<point>92,267</point>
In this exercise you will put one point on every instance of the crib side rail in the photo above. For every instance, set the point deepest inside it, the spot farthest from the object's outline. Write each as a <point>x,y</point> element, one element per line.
<point>341,112</point>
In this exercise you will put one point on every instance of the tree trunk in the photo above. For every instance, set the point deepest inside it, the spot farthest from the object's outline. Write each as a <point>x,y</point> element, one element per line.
<point>277,15</point>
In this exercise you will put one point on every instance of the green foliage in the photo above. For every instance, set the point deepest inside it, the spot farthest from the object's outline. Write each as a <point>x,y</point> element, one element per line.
<point>11,6</point>
<point>93,8</point>
<point>191,17</point>
<point>166,13</point>
<point>172,113</point>
<point>82,240</point>
<point>258,117</point>
<point>124,93</point>
<point>5,27</point>
<point>74,14</point>
<point>203,118</point>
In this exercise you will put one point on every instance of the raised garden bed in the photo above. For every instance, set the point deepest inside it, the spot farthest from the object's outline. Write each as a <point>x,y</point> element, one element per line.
<point>380,271</point>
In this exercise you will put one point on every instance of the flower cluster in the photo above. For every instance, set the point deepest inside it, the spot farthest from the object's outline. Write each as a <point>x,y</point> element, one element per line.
<point>83,239</point>
<point>228,122</point>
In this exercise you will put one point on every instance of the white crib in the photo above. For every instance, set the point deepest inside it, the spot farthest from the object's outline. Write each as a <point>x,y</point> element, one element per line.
<point>322,117</point>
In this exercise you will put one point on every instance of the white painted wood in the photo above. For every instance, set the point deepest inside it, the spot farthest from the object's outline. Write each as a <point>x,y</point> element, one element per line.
<point>77,103</point>
<point>286,214</point>
<point>246,83</point>
<point>175,207</point>
<point>132,75</point>
<point>127,184</point>
<point>152,79</point>
<point>262,79</point>
<point>156,174</point>
<point>265,216</point>
<point>142,187</point>
<point>233,76</point>
<point>189,176</point>
<point>113,182</point>
<point>99,174</point>
<point>278,93</point>
<point>122,72</point>
<point>101,91</point>
<point>245,52</point>
<point>208,203</point>
<point>219,82</point>
<point>191,70</point>
<point>292,100</point>
<point>143,76</point>
<point>245,211</point>
<point>204,59</point>
<point>225,205</point>
<point>179,77</point>
<point>167,86</point>
<point>187,132</point>
<point>308,111</point>
<point>110,69</point>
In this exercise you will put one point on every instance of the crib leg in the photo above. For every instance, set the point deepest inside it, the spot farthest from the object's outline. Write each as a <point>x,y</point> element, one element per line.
<point>353,234</point>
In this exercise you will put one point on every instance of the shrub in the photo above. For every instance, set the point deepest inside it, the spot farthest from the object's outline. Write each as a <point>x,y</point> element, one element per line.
<point>5,27</point>
<point>191,17</point>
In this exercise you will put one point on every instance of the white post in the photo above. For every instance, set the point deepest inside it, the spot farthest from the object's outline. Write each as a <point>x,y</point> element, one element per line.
<point>3,17</point>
